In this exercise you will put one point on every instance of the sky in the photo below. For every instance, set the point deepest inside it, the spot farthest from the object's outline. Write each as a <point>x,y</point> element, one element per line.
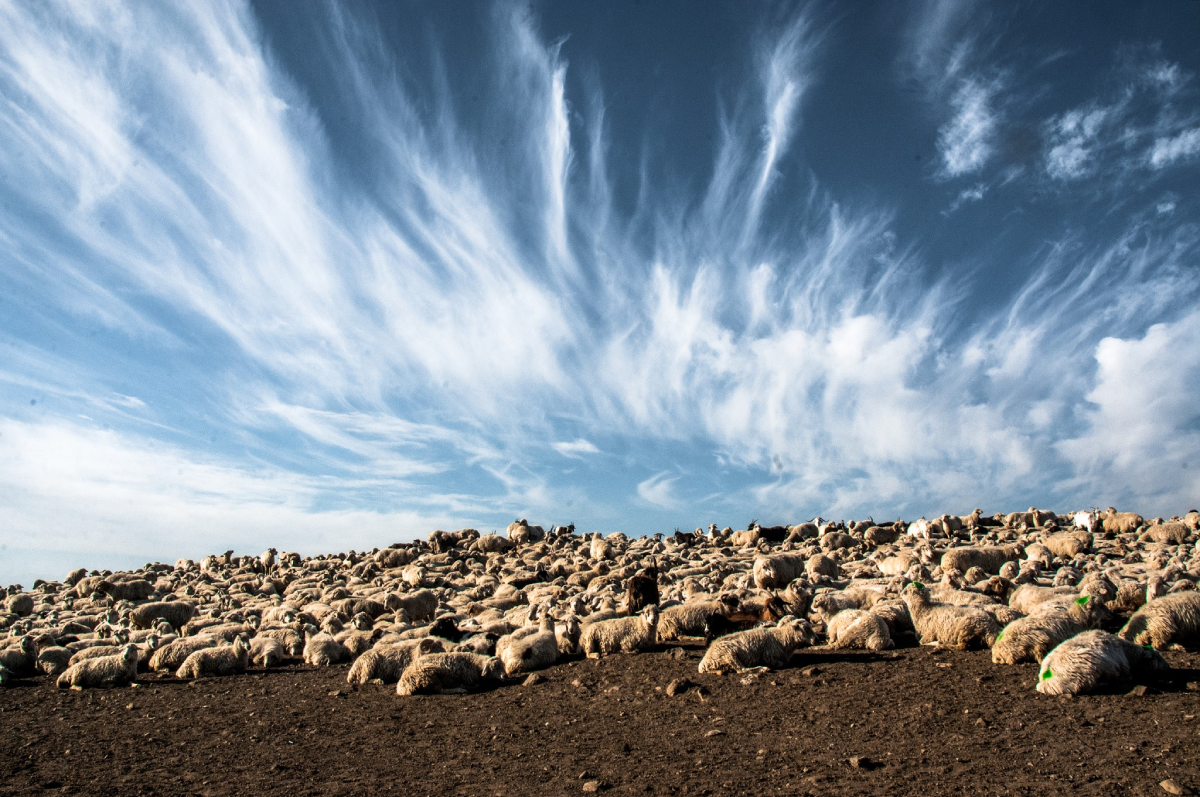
<point>328,276</point>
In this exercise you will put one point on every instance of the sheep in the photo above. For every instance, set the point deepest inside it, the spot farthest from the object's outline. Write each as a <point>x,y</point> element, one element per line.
<point>1068,544</point>
<point>1031,638</point>
<point>948,625</point>
<point>568,634</point>
<point>177,613</point>
<point>895,614</point>
<point>386,663</point>
<point>621,634</point>
<point>105,671</point>
<point>267,652</point>
<point>171,656</point>
<point>532,651</point>
<point>899,564</point>
<point>221,660</point>
<point>819,565</point>
<point>1170,533</point>
<point>322,650</point>
<point>6,675</point>
<point>291,639</point>
<point>448,673</point>
<point>689,619</point>
<point>1173,618</point>
<point>421,605</point>
<point>137,589</point>
<point>989,558</point>
<point>20,604</point>
<point>1094,659</point>
<point>54,660</point>
<point>21,660</point>
<point>759,647</point>
<point>777,571</point>
<point>856,628</point>
<point>491,543</point>
<point>1114,522</point>
<point>829,604</point>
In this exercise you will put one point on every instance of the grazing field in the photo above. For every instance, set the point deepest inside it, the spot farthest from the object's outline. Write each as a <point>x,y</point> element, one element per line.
<point>820,658</point>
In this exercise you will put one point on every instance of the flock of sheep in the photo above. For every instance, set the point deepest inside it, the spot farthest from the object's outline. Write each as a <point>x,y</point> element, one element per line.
<point>460,610</point>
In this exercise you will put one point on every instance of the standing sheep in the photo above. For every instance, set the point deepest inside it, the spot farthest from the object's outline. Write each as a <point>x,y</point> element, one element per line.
<point>221,660</point>
<point>945,624</point>
<point>1095,659</point>
<point>621,634</point>
<point>105,671</point>
<point>759,647</point>
<point>448,673</point>
<point>1173,618</point>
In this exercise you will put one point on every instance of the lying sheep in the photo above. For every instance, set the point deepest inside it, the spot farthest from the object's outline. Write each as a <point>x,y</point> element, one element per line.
<point>532,651</point>
<point>54,660</point>
<point>171,656</point>
<point>177,613</point>
<point>568,633</point>
<point>221,660</point>
<point>448,673</point>
<point>776,572</point>
<point>621,634</point>
<point>20,604</point>
<point>1068,544</point>
<point>819,565</point>
<point>948,625</point>
<point>105,671</point>
<point>856,628</point>
<point>689,619</point>
<point>386,663</point>
<point>1031,638</point>
<point>988,558</point>
<point>21,660</point>
<point>1171,619</point>
<point>759,647</point>
<point>421,605</point>
<point>895,614</point>
<point>1169,533</point>
<point>1094,659</point>
<point>322,650</point>
<point>267,652</point>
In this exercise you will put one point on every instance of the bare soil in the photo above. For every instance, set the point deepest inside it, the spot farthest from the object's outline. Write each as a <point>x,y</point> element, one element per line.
<point>917,721</point>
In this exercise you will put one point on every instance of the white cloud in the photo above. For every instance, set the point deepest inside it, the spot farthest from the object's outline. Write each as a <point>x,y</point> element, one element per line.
<point>966,141</point>
<point>659,491</point>
<point>576,448</point>
<point>1169,149</point>
<point>1073,137</point>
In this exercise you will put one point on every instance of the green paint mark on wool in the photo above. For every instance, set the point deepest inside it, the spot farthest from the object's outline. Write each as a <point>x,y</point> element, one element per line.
<point>1082,601</point>
<point>1046,674</point>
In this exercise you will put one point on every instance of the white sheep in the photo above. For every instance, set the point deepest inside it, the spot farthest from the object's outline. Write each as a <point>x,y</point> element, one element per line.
<point>421,605</point>
<point>946,624</point>
<point>54,660</point>
<point>759,647</point>
<point>1094,659</point>
<point>21,660</point>
<point>170,657</point>
<point>776,572</point>
<point>989,558</point>
<point>529,652</point>
<point>386,663</point>
<point>1030,638</point>
<point>1171,619</point>
<point>857,628</point>
<point>621,634</point>
<point>104,671</point>
<point>267,652</point>
<point>177,613</point>
<point>322,650</point>
<point>222,660</point>
<point>448,673</point>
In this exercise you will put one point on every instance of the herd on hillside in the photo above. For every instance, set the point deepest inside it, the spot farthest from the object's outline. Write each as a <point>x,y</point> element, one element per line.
<point>1092,596</point>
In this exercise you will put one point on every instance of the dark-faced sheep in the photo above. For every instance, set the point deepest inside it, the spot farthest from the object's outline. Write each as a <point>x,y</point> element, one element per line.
<point>1093,660</point>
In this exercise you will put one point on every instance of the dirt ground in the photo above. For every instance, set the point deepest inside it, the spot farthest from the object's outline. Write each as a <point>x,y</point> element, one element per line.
<point>924,722</point>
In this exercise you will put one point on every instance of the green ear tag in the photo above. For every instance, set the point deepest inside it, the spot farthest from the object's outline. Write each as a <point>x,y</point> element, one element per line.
<point>1148,647</point>
<point>1082,601</point>
<point>1047,675</point>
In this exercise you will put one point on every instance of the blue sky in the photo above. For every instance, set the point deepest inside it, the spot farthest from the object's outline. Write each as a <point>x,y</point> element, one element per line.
<point>328,276</point>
